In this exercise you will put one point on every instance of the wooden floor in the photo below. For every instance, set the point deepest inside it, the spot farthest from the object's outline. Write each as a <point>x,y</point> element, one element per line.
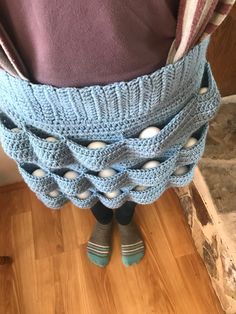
<point>50,273</point>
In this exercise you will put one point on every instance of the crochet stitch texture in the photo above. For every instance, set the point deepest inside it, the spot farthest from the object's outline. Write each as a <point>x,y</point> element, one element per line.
<point>116,113</point>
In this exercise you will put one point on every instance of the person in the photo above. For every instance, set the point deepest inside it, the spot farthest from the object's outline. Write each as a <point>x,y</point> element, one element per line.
<point>89,44</point>
<point>94,43</point>
<point>98,42</point>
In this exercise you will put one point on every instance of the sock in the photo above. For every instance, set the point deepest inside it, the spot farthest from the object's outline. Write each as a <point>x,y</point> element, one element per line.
<point>99,244</point>
<point>132,245</point>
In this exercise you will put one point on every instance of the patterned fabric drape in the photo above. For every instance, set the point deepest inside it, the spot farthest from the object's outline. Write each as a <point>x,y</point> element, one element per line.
<point>196,20</point>
<point>9,57</point>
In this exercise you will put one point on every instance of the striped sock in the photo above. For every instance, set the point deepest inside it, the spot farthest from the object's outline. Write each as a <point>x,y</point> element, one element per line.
<point>99,244</point>
<point>132,245</point>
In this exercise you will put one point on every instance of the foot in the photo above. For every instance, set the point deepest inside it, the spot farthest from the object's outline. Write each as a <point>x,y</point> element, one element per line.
<point>132,245</point>
<point>99,244</point>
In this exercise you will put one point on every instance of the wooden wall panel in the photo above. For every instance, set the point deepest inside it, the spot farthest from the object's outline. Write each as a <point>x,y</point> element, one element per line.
<point>222,55</point>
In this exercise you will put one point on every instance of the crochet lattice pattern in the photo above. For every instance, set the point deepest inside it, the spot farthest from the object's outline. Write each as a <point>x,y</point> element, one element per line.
<point>115,113</point>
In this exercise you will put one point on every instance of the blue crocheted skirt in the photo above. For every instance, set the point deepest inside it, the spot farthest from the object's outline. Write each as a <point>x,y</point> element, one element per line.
<point>115,114</point>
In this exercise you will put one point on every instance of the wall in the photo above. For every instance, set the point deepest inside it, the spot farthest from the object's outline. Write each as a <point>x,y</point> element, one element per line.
<point>222,55</point>
<point>8,170</point>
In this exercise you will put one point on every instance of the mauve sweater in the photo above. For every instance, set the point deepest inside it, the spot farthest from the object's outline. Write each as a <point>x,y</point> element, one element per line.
<point>80,43</point>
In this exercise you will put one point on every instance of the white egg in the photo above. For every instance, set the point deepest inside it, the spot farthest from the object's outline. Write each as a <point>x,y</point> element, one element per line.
<point>16,130</point>
<point>39,173</point>
<point>112,194</point>
<point>70,175</point>
<point>149,132</point>
<point>51,139</point>
<point>181,170</point>
<point>191,142</point>
<point>84,195</point>
<point>140,188</point>
<point>203,90</point>
<point>151,164</point>
<point>96,145</point>
<point>107,172</point>
<point>54,193</point>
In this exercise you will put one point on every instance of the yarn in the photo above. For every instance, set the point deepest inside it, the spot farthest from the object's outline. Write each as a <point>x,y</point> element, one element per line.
<point>169,99</point>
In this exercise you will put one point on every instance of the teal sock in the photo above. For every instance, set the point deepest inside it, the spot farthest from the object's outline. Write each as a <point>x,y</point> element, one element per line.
<point>132,245</point>
<point>99,244</point>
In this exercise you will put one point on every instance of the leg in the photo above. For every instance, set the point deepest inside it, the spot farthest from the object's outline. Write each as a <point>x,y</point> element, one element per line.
<point>103,214</point>
<point>125,213</point>
<point>99,244</point>
<point>132,246</point>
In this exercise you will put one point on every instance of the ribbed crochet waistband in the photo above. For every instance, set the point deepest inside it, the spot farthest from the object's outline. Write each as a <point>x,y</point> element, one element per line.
<point>117,105</point>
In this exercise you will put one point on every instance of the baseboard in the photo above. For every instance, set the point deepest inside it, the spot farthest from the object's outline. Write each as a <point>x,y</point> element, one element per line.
<point>228,100</point>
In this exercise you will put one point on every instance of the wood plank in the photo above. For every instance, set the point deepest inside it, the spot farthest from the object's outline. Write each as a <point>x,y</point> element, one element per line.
<point>8,299</point>
<point>144,289</point>
<point>47,229</point>
<point>76,225</point>
<point>13,186</point>
<point>10,203</point>
<point>174,224</point>
<point>46,280</point>
<point>45,286</point>
<point>197,279</point>
<point>24,271</point>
